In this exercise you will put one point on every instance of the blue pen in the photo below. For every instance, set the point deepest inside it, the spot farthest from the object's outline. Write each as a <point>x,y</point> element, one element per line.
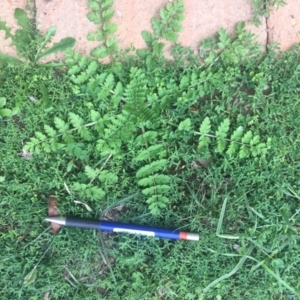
<point>122,227</point>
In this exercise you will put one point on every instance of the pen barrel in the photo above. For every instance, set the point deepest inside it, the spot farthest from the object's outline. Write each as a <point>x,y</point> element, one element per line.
<point>130,228</point>
<point>83,223</point>
<point>146,230</point>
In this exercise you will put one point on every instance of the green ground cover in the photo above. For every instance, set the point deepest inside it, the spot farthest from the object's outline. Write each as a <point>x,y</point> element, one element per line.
<point>207,143</point>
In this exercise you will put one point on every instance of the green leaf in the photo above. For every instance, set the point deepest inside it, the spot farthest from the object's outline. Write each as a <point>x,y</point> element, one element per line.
<point>107,87</point>
<point>117,97</point>
<point>90,172</point>
<point>61,125</point>
<point>154,180</point>
<point>162,13</point>
<point>70,165</point>
<point>76,120</point>
<point>31,276</point>
<point>108,177</point>
<point>247,137</point>
<point>176,26</point>
<point>205,126</point>
<point>156,26</point>
<point>107,14</point>
<point>50,33</point>
<point>224,37</point>
<point>169,7</point>
<point>92,68</point>
<point>157,189</point>
<point>40,136</point>
<point>5,112</point>
<point>221,134</point>
<point>46,102</point>
<point>179,17</point>
<point>2,101</point>
<point>150,152</point>
<point>185,125</point>
<point>170,35</point>
<point>203,144</point>
<point>111,44</point>
<point>23,37</point>
<point>21,16</point>
<point>6,29</point>
<point>156,203</point>
<point>95,116</point>
<point>2,178</point>
<point>93,5</point>
<point>143,53</point>
<point>244,151</point>
<point>148,38</point>
<point>157,47</point>
<point>106,3</point>
<point>100,52</point>
<point>240,27</point>
<point>94,17</point>
<point>184,82</point>
<point>277,263</point>
<point>7,59</point>
<point>255,140</point>
<point>110,28</point>
<point>62,45</point>
<point>92,36</point>
<point>237,134</point>
<point>151,168</point>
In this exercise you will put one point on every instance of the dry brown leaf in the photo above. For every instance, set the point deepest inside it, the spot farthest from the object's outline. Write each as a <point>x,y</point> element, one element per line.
<point>52,211</point>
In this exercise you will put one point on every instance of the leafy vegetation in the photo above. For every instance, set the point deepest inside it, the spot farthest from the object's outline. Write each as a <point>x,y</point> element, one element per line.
<point>205,143</point>
<point>29,42</point>
<point>262,8</point>
<point>101,14</point>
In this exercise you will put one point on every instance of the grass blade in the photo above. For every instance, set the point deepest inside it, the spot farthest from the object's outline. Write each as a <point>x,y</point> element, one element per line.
<point>62,45</point>
<point>221,217</point>
<point>237,267</point>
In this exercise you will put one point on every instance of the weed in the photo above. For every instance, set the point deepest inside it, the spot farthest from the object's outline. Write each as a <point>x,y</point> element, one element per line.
<point>262,8</point>
<point>187,140</point>
<point>30,44</point>
<point>101,13</point>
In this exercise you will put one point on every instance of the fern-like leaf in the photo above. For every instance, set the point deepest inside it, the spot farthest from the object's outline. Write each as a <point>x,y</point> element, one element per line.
<point>221,135</point>
<point>40,136</point>
<point>88,191</point>
<point>235,138</point>
<point>204,141</point>
<point>105,4</point>
<point>154,180</point>
<point>90,172</point>
<point>156,203</point>
<point>107,87</point>
<point>61,125</point>
<point>156,189</point>
<point>205,126</point>
<point>76,120</point>
<point>167,25</point>
<point>185,125</point>
<point>148,153</point>
<point>108,177</point>
<point>146,137</point>
<point>151,168</point>
<point>51,132</point>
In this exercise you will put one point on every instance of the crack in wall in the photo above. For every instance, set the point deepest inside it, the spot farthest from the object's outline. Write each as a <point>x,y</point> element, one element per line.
<point>267,24</point>
<point>267,32</point>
